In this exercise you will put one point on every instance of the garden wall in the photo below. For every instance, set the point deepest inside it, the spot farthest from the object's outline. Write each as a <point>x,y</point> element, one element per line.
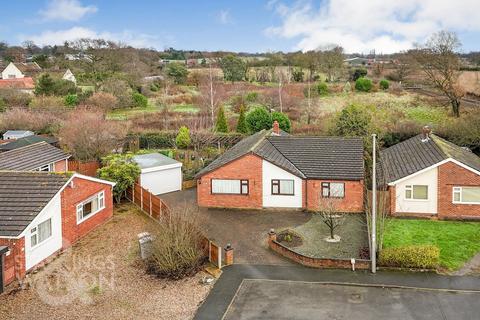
<point>312,262</point>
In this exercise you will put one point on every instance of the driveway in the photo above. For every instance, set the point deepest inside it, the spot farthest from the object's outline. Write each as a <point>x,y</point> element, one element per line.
<point>245,230</point>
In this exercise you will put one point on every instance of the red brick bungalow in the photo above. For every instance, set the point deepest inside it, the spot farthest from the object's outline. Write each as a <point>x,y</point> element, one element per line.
<point>43,213</point>
<point>428,176</point>
<point>271,169</point>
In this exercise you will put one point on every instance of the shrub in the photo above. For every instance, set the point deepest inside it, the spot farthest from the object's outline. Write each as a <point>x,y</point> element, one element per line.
<point>121,90</point>
<point>21,119</point>
<point>47,102</point>
<point>183,140</point>
<point>322,89</point>
<point>352,121</point>
<point>363,84</point>
<point>358,73</point>
<point>242,123</point>
<point>282,119</point>
<point>297,74</point>
<point>258,119</point>
<point>251,96</point>
<point>121,169</point>
<point>414,256</point>
<point>221,123</point>
<point>71,100</point>
<point>14,98</point>
<point>234,68</point>
<point>139,100</point>
<point>177,72</point>
<point>3,105</point>
<point>177,247</point>
<point>102,100</point>
<point>384,84</point>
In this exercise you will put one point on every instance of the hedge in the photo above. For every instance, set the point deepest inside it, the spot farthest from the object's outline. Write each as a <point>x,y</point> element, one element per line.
<point>415,256</point>
<point>166,139</point>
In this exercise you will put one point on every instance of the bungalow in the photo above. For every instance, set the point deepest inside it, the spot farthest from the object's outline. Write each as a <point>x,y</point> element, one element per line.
<point>26,141</point>
<point>69,76</point>
<point>271,169</point>
<point>42,214</point>
<point>40,156</point>
<point>25,84</point>
<point>20,70</point>
<point>428,176</point>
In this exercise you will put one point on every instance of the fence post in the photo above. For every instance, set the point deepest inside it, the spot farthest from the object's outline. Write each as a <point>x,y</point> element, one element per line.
<point>141,198</point>
<point>150,204</point>
<point>133,193</point>
<point>228,255</point>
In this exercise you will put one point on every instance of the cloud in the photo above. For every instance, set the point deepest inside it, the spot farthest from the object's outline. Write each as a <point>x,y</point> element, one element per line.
<point>224,17</point>
<point>69,10</point>
<point>386,26</point>
<point>58,37</point>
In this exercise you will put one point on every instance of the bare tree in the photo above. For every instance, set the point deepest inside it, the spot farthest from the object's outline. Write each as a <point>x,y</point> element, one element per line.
<point>211,92</point>
<point>440,63</point>
<point>329,214</point>
<point>331,62</point>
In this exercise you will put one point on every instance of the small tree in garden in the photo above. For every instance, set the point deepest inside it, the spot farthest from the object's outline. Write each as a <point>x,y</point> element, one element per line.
<point>283,121</point>
<point>221,124</point>
<point>121,169</point>
<point>329,214</point>
<point>242,123</point>
<point>139,100</point>
<point>384,84</point>
<point>183,139</point>
<point>233,67</point>
<point>45,85</point>
<point>322,89</point>
<point>258,119</point>
<point>358,73</point>
<point>352,121</point>
<point>71,100</point>
<point>363,84</point>
<point>177,72</point>
<point>297,75</point>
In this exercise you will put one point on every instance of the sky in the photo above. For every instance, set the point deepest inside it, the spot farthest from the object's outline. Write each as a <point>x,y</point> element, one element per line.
<point>244,26</point>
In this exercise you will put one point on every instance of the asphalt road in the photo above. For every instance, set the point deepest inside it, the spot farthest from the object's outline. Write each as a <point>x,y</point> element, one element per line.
<point>265,299</point>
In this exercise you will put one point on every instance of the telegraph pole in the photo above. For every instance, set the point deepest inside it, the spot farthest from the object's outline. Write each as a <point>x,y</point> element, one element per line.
<point>373,254</point>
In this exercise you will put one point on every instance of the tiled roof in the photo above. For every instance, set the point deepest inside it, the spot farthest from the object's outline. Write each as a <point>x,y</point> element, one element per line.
<point>17,83</point>
<point>306,157</point>
<point>415,154</point>
<point>23,195</point>
<point>31,157</point>
<point>25,141</point>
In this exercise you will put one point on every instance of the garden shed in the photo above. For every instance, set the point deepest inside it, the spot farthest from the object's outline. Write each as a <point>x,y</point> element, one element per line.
<point>160,174</point>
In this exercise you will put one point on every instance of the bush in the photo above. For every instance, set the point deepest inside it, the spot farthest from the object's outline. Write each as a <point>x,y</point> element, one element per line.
<point>358,73</point>
<point>47,102</point>
<point>414,256</point>
<point>21,119</point>
<point>282,119</point>
<point>71,100</point>
<point>363,84</point>
<point>352,121</point>
<point>384,84</point>
<point>102,100</point>
<point>234,68</point>
<point>177,72</point>
<point>183,140</point>
<point>14,98</point>
<point>121,90</point>
<point>139,100</point>
<point>177,247</point>
<point>322,89</point>
<point>3,105</point>
<point>297,75</point>
<point>251,96</point>
<point>258,119</point>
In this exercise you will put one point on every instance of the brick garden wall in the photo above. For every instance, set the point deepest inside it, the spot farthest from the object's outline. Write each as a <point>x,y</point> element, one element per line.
<point>248,167</point>
<point>352,202</point>
<point>15,262</point>
<point>81,191</point>
<point>60,166</point>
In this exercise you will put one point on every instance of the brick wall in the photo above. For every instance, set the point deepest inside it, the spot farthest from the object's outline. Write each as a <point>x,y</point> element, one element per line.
<point>352,202</point>
<point>60,166</point>
<point>248,167</point>
<point>81,191</point>
<point>15,262</point>
<point>452,175</point>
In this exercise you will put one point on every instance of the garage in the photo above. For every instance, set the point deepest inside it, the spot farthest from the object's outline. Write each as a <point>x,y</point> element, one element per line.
<point>160,174</point>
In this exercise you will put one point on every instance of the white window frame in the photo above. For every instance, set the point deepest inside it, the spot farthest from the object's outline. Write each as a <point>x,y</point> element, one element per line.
<point>34,233</point>
<point>278,183</point>
<point>101,205</point>
<point>459,190</point>
<point>49,168</point>
<point>244,184</point>
<point>409,187</point>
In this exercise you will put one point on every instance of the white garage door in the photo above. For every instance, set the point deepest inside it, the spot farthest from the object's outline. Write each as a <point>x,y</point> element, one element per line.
<point>162,181</point>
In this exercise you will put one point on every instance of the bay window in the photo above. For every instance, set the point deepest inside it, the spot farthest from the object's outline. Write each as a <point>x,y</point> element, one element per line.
<point>229,186</point>
<point>466,195</point>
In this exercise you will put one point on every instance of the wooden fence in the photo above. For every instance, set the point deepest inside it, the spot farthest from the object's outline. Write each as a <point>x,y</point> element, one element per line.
<point>88,168</point>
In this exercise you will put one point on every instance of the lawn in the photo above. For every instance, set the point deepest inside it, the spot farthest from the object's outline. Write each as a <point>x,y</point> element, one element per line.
<point>124,114</point>
<point>458,241</point>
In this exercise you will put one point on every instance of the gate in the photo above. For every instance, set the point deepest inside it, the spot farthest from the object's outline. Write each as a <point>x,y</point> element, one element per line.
<point>215,254</point>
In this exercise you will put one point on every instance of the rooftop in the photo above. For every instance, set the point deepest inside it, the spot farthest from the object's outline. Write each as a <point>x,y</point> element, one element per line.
<point>25,141</point>
<point>31,157</point>
<point>152,160</point>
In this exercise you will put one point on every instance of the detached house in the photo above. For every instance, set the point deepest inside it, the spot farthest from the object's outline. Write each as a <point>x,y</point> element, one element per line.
<point>39,156</point>
<point>43,213</point>
<point>430,177</point>
<point>271,169</point>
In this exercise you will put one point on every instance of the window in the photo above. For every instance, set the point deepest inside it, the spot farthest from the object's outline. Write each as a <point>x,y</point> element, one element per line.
<point>46,168</point>
<point>283,187</point>
<point>225,186</point>
<point>41,232</point>
<point>333,190</point>
<point>468,195</point>
<point>416,192</point>
<point>88,208</point>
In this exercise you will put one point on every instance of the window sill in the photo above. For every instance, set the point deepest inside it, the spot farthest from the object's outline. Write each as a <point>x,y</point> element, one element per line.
<point>467,203</point>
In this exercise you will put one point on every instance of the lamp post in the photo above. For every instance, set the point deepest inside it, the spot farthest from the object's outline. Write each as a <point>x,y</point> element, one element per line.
<point>373,254</point>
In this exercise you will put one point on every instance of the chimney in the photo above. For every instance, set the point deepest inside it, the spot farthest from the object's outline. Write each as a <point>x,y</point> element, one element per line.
<point>426,131</point>
<point>276,128</point>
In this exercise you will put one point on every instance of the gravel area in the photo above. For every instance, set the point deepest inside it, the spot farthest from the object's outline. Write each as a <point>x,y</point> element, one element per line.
<point>101,277</point>
<point>353,233</point>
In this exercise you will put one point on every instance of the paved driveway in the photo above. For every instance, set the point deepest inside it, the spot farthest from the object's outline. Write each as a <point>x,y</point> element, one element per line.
<point>245,230</point>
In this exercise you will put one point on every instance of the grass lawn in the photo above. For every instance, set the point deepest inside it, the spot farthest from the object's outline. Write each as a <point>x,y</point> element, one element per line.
<point>124,114</point>
<point>187,108</point>
<point>458,241</point>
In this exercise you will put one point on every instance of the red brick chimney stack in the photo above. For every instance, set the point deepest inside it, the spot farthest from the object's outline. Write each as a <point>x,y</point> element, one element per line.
<point>276,128</point>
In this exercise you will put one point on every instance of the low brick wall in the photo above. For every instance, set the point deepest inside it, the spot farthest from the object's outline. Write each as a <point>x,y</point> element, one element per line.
<point>313,262</point>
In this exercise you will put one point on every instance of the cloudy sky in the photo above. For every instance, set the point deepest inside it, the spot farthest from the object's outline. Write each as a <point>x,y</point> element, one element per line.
<point>247,25</point>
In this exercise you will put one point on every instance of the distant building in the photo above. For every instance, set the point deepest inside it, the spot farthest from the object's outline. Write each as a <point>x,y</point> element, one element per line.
<point>16,134</point>
<point>26,84</point>
<point>78,56</point>
<point>68,75</point>
<point>20,70</point>
<point>358,61</point>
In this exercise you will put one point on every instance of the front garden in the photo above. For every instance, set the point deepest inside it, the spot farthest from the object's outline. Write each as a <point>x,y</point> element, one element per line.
<point>458,242</point>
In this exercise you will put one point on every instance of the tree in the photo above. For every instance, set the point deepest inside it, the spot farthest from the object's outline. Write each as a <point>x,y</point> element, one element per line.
<point>242,123</point>
<point>358,73</point>
<point>298,74</point>
<point>121,90</point>
<point>283,120</point>
<point>258,119</point>
<point>177,72</point>
<point>384,84</point>
<point>183,139</point>
<point>322,89</point>
<point>139,100</point>
<point>403,67</point>
<point>363,84</point>
<point>102,100</point>
<point>440,63</point>
<point>45,85</point>
<point>329,215</point>
<point>233,67</point>
<point>121,169</point>
<point>221,124</point>
<point>352,121</point>
<point>88,136</point>
<point>71,100</point>
<point>332,63</point>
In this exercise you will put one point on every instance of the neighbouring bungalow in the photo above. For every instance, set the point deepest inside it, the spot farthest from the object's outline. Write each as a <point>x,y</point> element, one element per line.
<point>428,176</point>
<point>69,76</point>
<point>25,85</point>
<point>271,169</point>
<point>40,156</point>
<point>19,70</point>
<point>43,213</point>
<point>17,134</point>
<point>26,141</point>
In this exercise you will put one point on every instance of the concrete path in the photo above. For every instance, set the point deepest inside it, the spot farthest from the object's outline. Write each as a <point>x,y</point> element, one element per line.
<point>232,278</point>
<point>469,267</point>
